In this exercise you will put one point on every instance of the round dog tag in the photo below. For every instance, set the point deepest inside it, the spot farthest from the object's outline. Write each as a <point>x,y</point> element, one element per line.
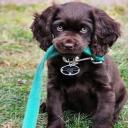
<point>70,70</point>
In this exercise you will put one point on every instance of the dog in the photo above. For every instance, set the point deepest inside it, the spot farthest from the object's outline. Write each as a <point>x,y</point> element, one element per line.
<point>86,86</point>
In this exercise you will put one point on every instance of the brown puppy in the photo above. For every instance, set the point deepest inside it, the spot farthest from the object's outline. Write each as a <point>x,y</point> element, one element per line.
<point>97,89</point>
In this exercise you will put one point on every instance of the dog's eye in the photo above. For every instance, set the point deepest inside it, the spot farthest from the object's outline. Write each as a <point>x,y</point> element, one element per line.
<point>84,30</point>
<point>59,28</point>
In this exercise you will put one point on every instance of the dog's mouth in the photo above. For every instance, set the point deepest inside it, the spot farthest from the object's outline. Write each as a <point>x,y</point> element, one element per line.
<point>69,46</point>
<point>69,53</point>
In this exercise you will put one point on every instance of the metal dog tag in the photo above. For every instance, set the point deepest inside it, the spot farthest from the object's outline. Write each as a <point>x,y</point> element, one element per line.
<point>70,70</point>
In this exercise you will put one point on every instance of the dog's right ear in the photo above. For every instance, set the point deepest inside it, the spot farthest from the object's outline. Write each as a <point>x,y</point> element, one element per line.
<point>41,27</point>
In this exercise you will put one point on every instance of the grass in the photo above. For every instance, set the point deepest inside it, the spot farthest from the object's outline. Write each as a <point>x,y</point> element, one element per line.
<point>18,63</point>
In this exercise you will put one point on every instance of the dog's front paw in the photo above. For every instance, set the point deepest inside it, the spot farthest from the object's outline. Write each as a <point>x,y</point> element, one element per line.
<point>102,126</point>
<point>56,124</point>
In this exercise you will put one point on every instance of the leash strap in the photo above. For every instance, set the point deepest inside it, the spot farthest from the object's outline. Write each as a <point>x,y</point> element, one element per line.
<point>33,104</point>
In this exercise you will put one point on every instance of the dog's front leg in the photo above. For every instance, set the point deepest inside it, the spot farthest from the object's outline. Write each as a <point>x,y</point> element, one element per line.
<point>105,109</point>
<point>54,108</point>
<point>105,99</point>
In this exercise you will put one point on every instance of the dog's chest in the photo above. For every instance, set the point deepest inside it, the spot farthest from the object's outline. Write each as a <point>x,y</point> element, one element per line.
<point>80,96</point>
<point>79,89</point>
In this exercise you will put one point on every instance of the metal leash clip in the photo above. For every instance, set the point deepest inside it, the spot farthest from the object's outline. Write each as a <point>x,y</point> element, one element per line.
<point>96,62</point>
<point>71,69</point>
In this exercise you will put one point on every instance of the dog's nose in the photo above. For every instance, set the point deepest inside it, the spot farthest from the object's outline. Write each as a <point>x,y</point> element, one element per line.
<point>69,44</point>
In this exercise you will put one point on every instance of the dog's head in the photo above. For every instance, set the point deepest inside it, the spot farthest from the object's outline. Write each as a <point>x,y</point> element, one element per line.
<point>73,26</point>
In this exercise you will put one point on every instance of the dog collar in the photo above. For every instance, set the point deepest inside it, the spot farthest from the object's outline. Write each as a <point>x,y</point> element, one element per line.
<point>71,69</point>
<point>96,59</point>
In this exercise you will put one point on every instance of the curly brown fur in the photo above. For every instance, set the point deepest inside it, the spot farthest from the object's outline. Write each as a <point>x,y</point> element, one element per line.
<point>97,90</point>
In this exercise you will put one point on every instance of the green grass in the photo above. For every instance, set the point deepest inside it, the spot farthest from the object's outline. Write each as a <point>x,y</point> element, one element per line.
<point>17,62</point>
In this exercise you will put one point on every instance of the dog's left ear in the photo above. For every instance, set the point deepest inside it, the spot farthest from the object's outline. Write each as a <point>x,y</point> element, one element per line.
<point>106,32</point>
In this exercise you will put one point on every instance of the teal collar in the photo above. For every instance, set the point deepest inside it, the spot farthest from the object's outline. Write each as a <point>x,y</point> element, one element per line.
<point>94,58</point>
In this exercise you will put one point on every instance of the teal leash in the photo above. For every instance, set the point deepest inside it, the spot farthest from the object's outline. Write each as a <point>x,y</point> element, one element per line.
<point>33,104</point>
<point>34,99</point>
